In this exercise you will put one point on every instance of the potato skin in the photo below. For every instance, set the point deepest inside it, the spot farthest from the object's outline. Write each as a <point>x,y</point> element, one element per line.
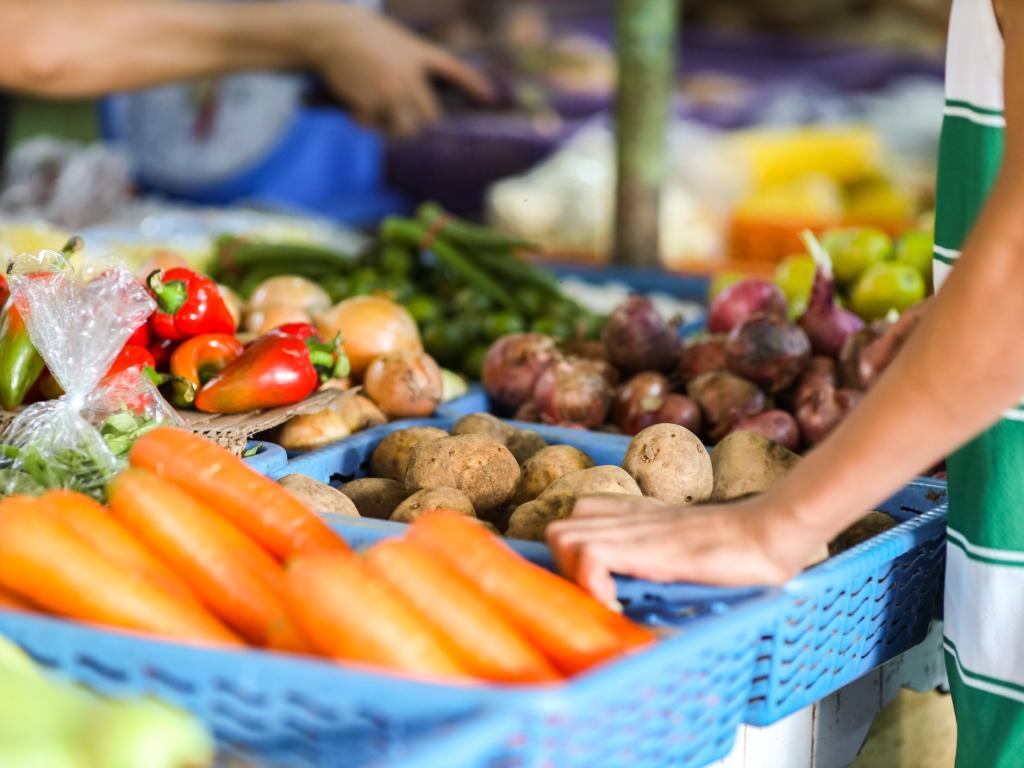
<point>522,443</point>
<point>319,497</point>
<point>546,466</point>
<point>671,464</point>
<point>390,459</point>
<point>375,497</point>
<point>530,520</point>
<point>430,499</point>
<point>479,466</point>
<point>869,526</point>
<point>747,463</point>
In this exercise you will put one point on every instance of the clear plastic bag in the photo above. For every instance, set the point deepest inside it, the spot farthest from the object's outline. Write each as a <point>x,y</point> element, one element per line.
<point>79,322</point>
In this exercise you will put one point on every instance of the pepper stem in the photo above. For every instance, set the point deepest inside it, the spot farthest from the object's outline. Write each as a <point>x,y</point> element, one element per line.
<point>170,296</point>
<point>329,358</point>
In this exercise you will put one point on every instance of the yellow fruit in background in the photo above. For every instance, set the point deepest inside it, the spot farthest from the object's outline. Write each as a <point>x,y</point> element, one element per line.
<point>723,280</point>
<point>795,276</point>
<point>813,197</point>
<point>878,201</point>
<point>887,286</point>
<point>841,153</point>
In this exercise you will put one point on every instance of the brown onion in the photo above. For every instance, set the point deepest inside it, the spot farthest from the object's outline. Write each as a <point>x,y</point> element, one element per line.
<point>512,366</point>
<point>571,392</point>
<point>637,338</point>
<point>404,384</point>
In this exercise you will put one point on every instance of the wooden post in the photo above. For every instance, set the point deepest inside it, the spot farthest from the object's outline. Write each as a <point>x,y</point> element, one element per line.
<point>645,32</point>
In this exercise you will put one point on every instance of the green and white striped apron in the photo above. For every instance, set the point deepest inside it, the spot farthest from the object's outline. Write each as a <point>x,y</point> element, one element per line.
<point>984,607</point>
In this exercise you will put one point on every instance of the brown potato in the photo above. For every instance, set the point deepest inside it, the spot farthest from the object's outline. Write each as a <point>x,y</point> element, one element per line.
<point>530,520</point>
<point>390,458</point>
<point>525,444</point>
<point>431,499</point>
<point>546,466</point>
<point>746,463</point>
<point>347,414</point>
<point>869,526</point>
<point>320,497</point>
<point>522,443</point>
<point>375,497</point>
<point>670,463</point>
<point>479,466</point>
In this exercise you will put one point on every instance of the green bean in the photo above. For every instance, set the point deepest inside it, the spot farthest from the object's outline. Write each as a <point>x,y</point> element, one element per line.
<point>466,234</point>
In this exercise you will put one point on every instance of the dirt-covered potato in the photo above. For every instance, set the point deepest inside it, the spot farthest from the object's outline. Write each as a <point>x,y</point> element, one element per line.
<point>479,466</point>
<point>670,463</point>
<point>522,443</point>
<point>390,458</point>
<point>820,555</point>
<point>746,463</point>
<point>529,520</point>
<point>319,497</point>
<point>525,444</point>
<point>375,497</point>
<point>430,499</point>
<point>869,526</point>
<point>546,466</point>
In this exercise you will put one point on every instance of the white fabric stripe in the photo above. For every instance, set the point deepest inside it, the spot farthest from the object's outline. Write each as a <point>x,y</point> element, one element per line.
<point>1013,415</point>
<point>1011,555</point>
<point>974,55</point>
<point>949,253</point>
<point>978,118</point>
<point>984,609</point>
<point>982,685</point>
<point>940,271</point>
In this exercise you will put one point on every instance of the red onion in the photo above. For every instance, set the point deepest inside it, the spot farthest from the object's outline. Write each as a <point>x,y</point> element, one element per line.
<point>768,350</point>
<point>512,366</point>
<point>681,410</point>
<point>641,395</point>
<point>777,426</point>
<point>637,338</point>
<point>869,352</point>
<point>740,300</point>
<point>527,412</point>
<point>724,399</point>
<point>822,412</point>
<point>701,356</point>
<point>572,392</point>
<point>826,324</point>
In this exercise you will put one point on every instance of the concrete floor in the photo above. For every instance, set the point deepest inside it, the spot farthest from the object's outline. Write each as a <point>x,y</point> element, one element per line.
<point>916,730</point>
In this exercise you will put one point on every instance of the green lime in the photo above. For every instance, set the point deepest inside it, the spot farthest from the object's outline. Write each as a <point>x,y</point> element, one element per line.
<point>795,276</point>
<point>915,248</point>
<point>501,324</point>
<point>555,327</point>
<point>887,286</point>
<point>472,365</point>
<point>424,309</point>
<point>470,301</point>
<point>722,281</point>
<point>855,249</point>
<point>797,306</point>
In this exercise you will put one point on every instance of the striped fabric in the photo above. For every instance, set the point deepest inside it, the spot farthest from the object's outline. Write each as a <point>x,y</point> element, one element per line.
<point>984,607</point>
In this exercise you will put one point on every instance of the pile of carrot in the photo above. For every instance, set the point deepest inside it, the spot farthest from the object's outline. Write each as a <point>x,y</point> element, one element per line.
<point>196,547</point>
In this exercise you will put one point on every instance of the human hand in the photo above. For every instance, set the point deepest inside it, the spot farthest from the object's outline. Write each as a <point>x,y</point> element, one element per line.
<point>752,542</point>
<point>382,71</point>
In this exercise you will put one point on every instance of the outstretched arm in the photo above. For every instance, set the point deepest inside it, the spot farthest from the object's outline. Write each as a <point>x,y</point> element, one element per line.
<point>961,368</point>
<point>65,48</point>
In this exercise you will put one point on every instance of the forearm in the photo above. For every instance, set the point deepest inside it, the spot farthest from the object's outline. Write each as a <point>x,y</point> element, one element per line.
<point>67,48</point>
<point>961,368</point>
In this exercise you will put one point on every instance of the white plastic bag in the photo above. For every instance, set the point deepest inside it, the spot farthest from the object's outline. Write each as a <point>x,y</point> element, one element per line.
<point>79,322</point>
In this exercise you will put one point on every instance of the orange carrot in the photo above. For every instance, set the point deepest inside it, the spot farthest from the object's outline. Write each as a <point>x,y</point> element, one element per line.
<point>491,647</point>
<point>11,602</point>
<point>349,613</point>
<point>572,628</point>
<point>230,573</point>
<point>93,524</point>
<point>43,561</point>
<point>261,508</point>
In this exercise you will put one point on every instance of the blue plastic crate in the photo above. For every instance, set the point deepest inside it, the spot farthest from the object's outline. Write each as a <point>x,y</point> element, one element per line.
<point>268,459</point>
<point>857,610</point>
<point>485,742</point>
<point>843,617</point>
<point>677,703</point>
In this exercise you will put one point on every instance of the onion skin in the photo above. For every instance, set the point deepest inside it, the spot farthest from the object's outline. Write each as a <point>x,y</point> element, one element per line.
<point>867,354</point>
<point>527,412</point>
<point>739,301</point>
<point>820,372</point>
<point>632,398</point>
<point>512,366</point>
<point>702,356</point>
<point>572,393</point>
<point>778,426</point>
<point>681,410</point>
<point>826,324</point>
<point>768,350</point>
<point>724,399</point>
<point>370,326</point>
<point>637,338</point>
<point>404,384</point>
<point>822,411</point>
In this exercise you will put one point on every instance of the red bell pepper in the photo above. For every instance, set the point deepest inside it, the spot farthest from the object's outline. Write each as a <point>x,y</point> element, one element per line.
<point>298,330</point>
<point>162,349</point>
<point>274,370</point>
<point>141,337</point>
<point>5,290</point>
<point>188,304</point>
<point>131,358</point>
<point>198,360</point>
